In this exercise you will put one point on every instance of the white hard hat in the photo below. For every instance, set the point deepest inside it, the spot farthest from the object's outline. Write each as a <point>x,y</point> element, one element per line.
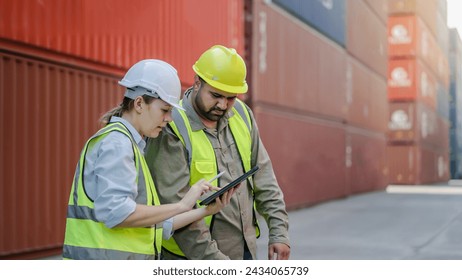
<point>155,78</point>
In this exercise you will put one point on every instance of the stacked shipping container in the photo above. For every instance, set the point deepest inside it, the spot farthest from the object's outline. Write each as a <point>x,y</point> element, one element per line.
<point>318,81</point>
<point>418,77</point>
<point>320,95</point>
<point>59,66</point>
<point>455,58</point>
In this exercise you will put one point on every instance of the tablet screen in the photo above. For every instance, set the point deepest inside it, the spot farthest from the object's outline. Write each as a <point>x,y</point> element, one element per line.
<point>233,184</point>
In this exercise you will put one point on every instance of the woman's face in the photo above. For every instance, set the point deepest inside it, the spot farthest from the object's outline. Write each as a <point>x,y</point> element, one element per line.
<point>154,116</point>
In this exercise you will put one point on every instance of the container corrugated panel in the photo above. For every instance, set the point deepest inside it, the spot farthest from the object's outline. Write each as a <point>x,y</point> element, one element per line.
<point>442,101</point>
<point>414,123</point>
<point>455,154</point>
<point>48,111</point>
<point>442,166</point>
<point>367,37</point>
<point>326,16</point>
<point>442,35</point>
<point>380,8</point>
<point>295,67</point>
<point>428,10</point>
<point>308,155</point>
<point>455,92</point>
<point>119,32</point>
<point>367,98</point>
<point>408,37</point>
<point>412,165</point>
<point>411,80</point>
<point>366,158</point>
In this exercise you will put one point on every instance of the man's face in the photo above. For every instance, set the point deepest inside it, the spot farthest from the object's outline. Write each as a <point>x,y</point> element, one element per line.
<point>211,103</point>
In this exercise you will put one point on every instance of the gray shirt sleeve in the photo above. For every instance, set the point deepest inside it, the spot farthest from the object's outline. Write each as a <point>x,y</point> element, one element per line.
<point>168,231</point>
<point>268,195</point>
<point>110,179</point>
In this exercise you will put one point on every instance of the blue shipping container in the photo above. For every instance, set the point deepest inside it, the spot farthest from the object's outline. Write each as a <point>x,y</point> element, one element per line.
<point>326,16</point>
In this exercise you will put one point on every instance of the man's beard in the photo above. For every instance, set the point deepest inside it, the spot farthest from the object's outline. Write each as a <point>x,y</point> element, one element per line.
<point>209,115</point>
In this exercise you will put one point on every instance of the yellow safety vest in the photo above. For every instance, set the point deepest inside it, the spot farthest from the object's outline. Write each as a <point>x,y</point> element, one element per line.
<point>87,238</point>
<point>202,159</point>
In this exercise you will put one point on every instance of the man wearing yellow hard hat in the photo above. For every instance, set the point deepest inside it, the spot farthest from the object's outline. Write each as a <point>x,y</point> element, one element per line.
<point>217,133</point>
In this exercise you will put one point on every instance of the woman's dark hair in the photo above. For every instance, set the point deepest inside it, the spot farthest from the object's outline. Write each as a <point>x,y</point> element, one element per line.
<point>125,106</point>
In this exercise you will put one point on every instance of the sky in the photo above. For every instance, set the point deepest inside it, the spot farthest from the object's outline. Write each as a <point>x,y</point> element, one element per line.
<point>454,16</point>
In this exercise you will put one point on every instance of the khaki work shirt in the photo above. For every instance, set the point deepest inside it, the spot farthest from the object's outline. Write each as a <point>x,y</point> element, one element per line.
<point>168,161</point>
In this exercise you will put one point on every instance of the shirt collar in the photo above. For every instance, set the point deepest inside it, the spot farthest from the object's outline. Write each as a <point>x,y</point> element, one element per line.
<point>136,136</point>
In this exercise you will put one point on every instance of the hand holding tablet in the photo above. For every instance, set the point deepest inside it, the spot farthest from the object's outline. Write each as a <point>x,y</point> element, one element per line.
<point>233,184</point>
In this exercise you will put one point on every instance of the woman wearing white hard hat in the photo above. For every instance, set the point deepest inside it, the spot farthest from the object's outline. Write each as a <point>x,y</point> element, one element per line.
<point>114,210</point>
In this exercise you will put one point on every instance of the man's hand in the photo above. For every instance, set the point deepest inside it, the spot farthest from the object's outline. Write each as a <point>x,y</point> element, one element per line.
<point>279,251</point>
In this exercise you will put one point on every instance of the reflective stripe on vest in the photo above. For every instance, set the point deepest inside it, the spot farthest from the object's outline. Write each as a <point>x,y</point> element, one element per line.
<point>87,238</point>
<point>202,160</point>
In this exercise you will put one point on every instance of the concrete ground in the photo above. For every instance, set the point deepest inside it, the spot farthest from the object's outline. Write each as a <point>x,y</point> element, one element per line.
<point>401,223</point>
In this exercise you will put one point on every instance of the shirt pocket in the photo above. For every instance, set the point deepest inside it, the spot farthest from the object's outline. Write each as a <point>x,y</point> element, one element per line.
<point>205,168</point>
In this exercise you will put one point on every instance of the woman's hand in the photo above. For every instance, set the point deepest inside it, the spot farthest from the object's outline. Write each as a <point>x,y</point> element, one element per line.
<point>198,189</point>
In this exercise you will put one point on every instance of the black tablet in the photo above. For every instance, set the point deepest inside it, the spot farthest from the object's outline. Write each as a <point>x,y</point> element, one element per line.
<point>233,184</point>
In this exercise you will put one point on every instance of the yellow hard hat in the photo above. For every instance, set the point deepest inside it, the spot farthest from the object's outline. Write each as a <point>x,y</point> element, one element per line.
<point>222,68</point>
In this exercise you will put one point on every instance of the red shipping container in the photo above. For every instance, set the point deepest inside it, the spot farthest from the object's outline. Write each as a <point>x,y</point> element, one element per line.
<point>380,8</point>
<point>367,98</point>
<point>408,37</point>
<point>412,165</point>
<point>410,80</point>
<point>427,10</point>
<point>308,155</point>
<point>48,111</point>
<point>413,123</point>
<point>366,37</point>
<point>366,159</point>
<point>296,68</point>
<point>119,32</point>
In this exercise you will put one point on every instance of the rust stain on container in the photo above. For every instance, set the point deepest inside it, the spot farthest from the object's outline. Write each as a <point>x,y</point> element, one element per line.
<point>296,66</point>
<point>308,155</point>
<point>49,111</point>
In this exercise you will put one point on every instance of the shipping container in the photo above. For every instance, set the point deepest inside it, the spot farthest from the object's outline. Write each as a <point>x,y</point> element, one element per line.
<point>296,68</point>
<point>328,17</point>
<point>427,10</point>
<point>380,8</point>
<point>119,33</point>
<point>366,160</point>
<point>455,103</point>
<point>48,110</point>
<point>416,123</point>
<point>411,80</point>
<point>308,155</point>
<point>408,37</point>
<point>442,101</point>
<point>367,97</point>
<point>414,165</point>
<point>367,37</point>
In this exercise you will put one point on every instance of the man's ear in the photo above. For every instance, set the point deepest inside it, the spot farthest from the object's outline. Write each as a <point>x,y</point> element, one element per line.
<point>197,83</point>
